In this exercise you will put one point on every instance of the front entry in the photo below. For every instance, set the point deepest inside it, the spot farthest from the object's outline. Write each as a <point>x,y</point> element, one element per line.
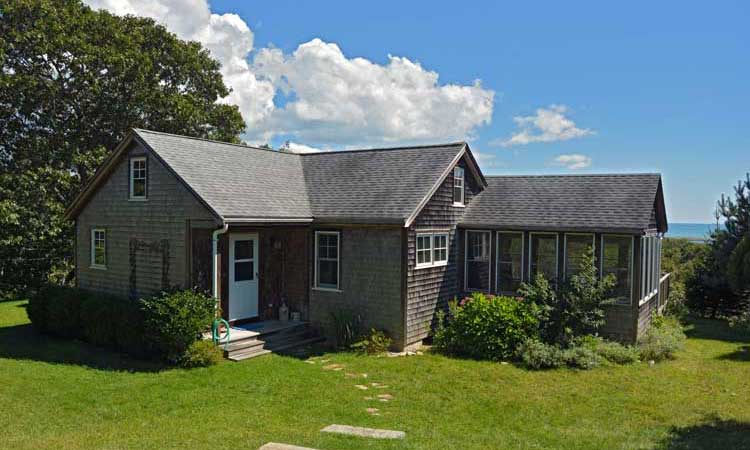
<point>243,276</point>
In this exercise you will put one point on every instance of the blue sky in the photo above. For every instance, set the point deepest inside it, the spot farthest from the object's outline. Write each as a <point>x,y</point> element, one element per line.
<point>646,86</point>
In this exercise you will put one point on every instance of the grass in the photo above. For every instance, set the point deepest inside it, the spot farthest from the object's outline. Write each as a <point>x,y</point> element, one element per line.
<point>61,394</point>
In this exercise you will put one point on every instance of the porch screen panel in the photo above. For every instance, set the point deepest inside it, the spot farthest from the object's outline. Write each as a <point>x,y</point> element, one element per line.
<point>478,260</point>
<point>509,261</point>
<point>544,256</point>
<point>576,246</point>
<point>617,257</point>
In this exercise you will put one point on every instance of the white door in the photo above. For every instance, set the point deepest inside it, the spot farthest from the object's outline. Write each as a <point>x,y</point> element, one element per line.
<point>243,276</point>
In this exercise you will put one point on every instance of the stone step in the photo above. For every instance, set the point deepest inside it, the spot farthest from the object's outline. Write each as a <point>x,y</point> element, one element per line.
<point>277,446</point>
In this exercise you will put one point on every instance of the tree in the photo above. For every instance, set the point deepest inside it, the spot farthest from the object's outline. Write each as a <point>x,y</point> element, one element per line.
<point>72,83</point>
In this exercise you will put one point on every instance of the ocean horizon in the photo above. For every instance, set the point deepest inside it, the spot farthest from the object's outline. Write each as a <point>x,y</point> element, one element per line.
<point>697,231</point>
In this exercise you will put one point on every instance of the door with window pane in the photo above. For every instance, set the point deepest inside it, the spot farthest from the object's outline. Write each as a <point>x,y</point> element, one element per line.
<point>243,276</point>
<point>478,260</point>
<point>509,261</point>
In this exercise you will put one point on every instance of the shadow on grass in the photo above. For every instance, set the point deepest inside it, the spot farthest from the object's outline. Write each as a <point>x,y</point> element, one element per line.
<point>714,433</point>
<point>22,342</point>
<point>741,354</point>
<point>717,330</point>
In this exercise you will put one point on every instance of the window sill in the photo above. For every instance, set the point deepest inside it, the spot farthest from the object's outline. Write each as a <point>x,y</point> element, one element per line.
<point>459,205</point>
<point>427,266</point>
<point>137,199</point>
<point>325,289</point>
<point>97,267</point>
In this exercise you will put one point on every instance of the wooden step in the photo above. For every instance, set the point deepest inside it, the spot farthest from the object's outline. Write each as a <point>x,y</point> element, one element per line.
<point>270,340</point>
<point>260,350</point>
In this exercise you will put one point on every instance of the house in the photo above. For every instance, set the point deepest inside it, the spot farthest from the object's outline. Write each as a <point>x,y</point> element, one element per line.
<point>389,234</point>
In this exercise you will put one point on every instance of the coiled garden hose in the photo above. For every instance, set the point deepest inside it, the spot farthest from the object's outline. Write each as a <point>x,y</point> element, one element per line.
<point>215,328</point>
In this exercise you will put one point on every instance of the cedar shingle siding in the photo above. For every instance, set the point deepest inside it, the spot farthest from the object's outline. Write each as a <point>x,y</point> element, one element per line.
<point>146,240</point>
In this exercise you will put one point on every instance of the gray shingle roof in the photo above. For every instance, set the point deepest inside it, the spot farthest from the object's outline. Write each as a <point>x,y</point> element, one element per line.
<point>380,186</point>
<point>566,202</point>
<point>237,181</point>
<point>384,185</point>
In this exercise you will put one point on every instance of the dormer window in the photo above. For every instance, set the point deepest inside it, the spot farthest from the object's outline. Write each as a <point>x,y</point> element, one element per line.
<point>458,186</point>
<point>138,178</point>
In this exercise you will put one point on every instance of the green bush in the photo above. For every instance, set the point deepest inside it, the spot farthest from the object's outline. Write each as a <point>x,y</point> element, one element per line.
<point>662,340</point>
<point>174,320</point>
<point>57,310</point>
<point>201,353</point>
<point>617,353</point>
<point>99,320</point>
<point>130,330</point>
<point>581,357</point>
<point>487,327</point>
<point>374,343</point>
<point>535,354</point>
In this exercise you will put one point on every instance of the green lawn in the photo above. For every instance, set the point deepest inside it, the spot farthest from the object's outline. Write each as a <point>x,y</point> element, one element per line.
<point>59,394</point>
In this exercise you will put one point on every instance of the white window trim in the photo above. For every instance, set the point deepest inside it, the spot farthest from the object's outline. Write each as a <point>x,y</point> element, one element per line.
<point>497,255</point>
<point>131,195</point>
<point>466,260</point>
<point>565,249</point>
<point>316,284</point>
<point>557,253</point>
<point>462,203</point>
<point>433,262</point>
<point>630,269</point>
<point>92,258</point>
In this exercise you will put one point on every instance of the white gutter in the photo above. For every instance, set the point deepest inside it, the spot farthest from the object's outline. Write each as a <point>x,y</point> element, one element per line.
<point>215,259</point>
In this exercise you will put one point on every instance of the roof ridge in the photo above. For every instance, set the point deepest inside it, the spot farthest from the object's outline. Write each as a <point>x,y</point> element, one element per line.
<point>380,149</point>
<point>213,141</point>
<point>561,175</point>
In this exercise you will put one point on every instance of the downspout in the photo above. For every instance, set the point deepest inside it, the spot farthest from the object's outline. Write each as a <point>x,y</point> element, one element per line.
<point>215,260</point>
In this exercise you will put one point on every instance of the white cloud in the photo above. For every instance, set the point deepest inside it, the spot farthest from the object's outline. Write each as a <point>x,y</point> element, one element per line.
<point>293,147</point>
<point>547,125</point>
<point>573,161</point>
<point>332,99</point>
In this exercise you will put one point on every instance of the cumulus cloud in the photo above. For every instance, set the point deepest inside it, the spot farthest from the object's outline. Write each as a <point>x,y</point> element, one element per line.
<point>547,125</point>
<point>294,147</point>
<point>573,161</point>
<point>327,98</point>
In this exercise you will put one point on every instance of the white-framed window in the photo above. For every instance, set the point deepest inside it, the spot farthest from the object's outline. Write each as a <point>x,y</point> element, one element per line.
<point>138,178</point>
<point>617,259</point>
<point>99,248</point>
<point>576,245</point>
<point>650,265</point>
<point>458,186</point>
<point>477,261</point>
<point>327,268</point>
<point>543,256</point>
<point>509,272</point>
<point>432,249</point>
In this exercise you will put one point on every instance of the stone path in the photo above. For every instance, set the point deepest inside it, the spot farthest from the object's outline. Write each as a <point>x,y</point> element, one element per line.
<point>277,446</point>
<point>374,433</point>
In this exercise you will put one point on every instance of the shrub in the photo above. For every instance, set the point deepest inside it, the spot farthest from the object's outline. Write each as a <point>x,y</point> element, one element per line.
<point>617,353</point>
<point>741,322</point>
<point>374,343</point>
<point>130,331</point>
<point>581,357</point>
<point>99,320</point>
<point>662,340</point>
<point>487,327</point>
<point>201,353</point>
<point>174,320</point>
<point>535,354</point>
<point>57,310</point>
<point>346,327</point>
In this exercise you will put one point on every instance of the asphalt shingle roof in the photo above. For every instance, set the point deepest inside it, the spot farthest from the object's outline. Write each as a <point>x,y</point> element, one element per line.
<point>560,202</point>
<point>235,180</point>
<point>381,185</point>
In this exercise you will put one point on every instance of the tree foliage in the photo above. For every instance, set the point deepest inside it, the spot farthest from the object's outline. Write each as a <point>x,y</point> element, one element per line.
<point>72,83</point>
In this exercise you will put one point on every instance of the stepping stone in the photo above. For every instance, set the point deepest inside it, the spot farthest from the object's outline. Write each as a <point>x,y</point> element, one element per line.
<point>385,397</point>
<point>364,432</point>
<point>333,367</point>
<point>276,446</point>
<point>369,398</point>
<point>355,375</point>
<point>361,387</point>
<point>373,411</point>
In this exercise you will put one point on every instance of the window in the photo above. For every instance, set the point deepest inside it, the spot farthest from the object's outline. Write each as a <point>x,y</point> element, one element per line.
<point>576,246</point>
<point>432,249</point>
<point>477,260</point>
<point>327,259</point>
<point>138,177</point>
<point>509,261</point>
<point>543,256</point>
<point>458,186</point>
<point>650,265</point>
<point>616,258</point>
<point>98,248</point>
<point>244,260</point>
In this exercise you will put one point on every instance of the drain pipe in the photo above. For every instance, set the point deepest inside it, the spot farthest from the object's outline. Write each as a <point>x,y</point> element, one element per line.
<point>215,259</point>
